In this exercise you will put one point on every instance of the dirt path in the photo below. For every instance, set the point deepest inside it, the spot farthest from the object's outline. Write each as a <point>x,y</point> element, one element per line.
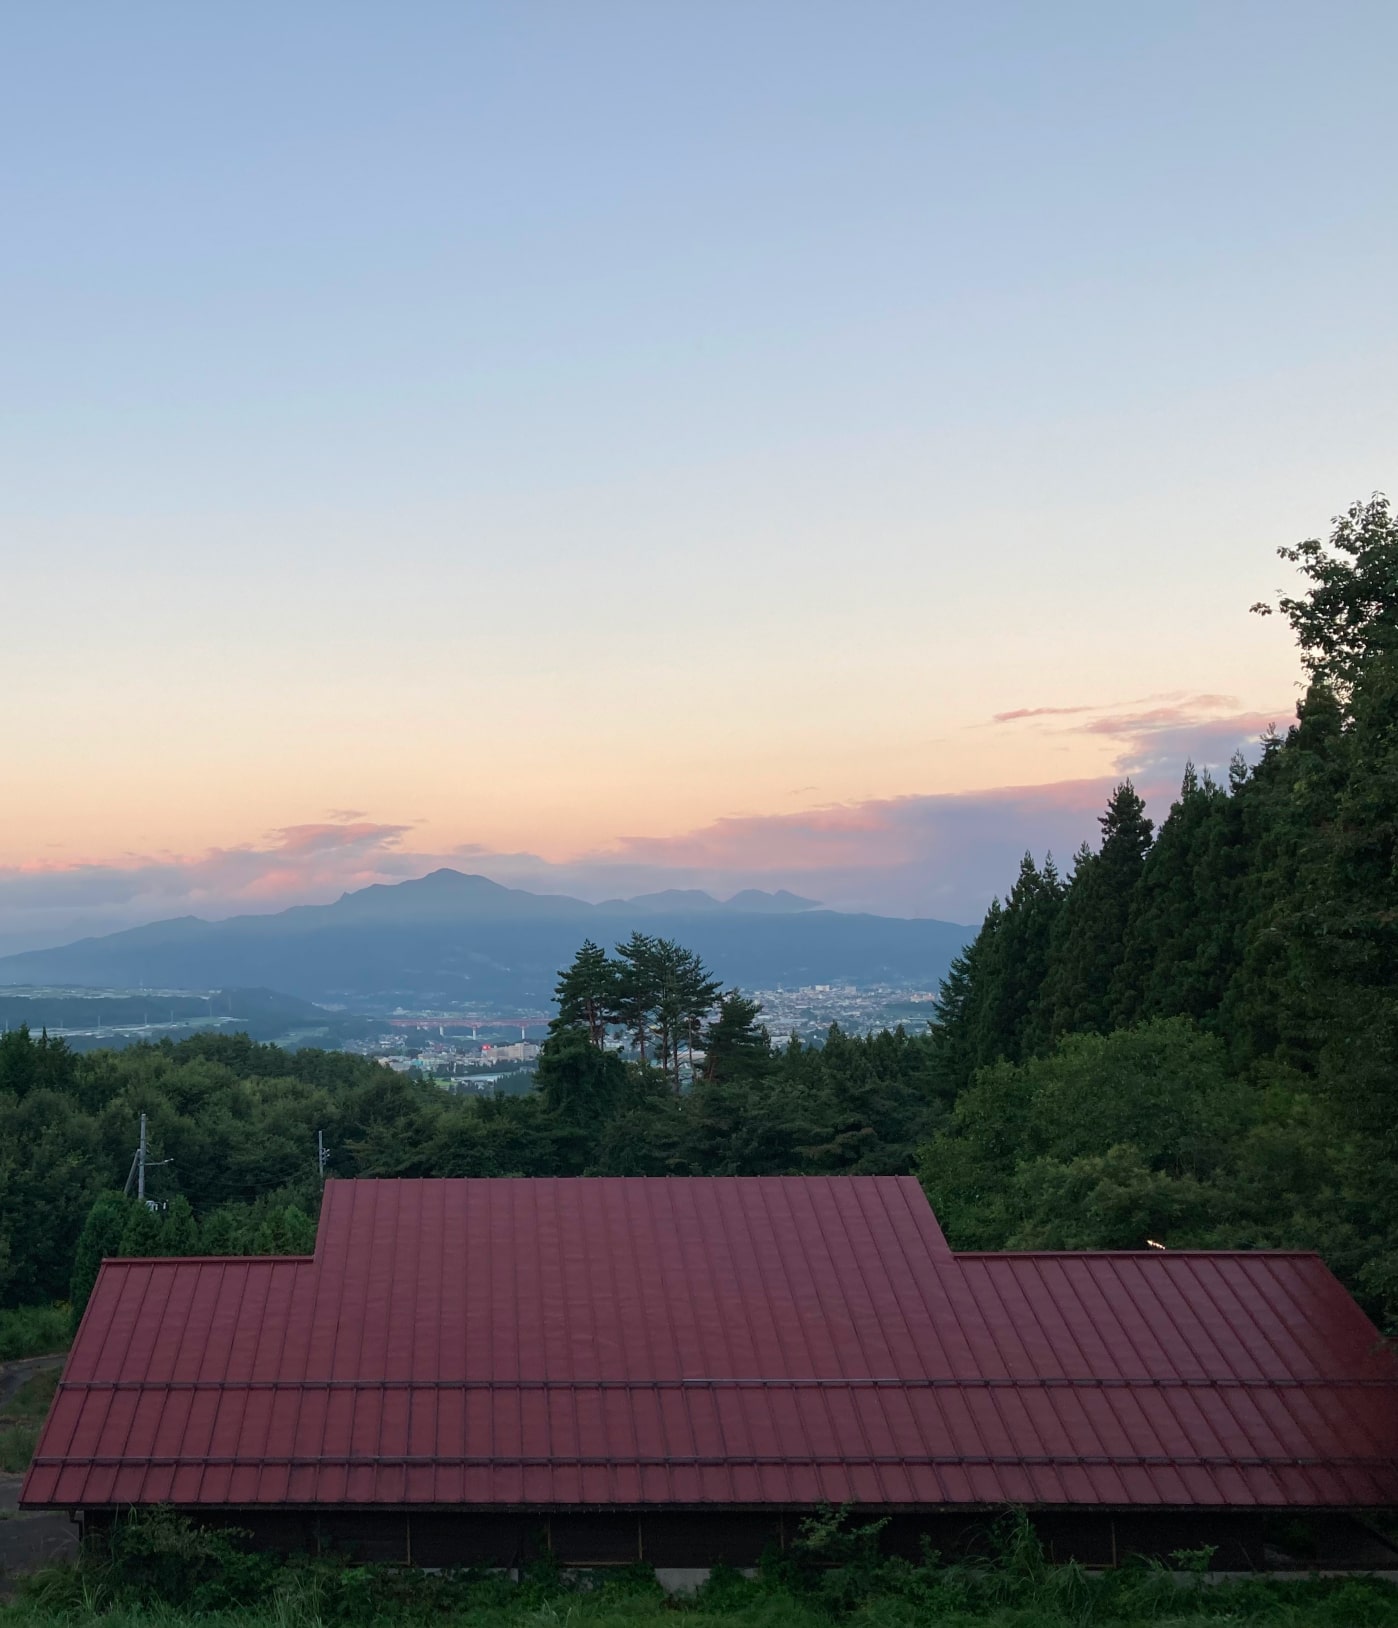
<point>28,1541</point>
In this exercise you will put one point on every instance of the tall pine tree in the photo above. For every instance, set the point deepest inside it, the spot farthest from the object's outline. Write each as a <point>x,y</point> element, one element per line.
<point>1089,936</point>
<point>1009,1018</point>
<point>586,992</point>
<point>1185,927</point>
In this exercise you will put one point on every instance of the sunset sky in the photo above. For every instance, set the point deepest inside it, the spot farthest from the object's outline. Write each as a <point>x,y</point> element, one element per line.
<point>619,445</point>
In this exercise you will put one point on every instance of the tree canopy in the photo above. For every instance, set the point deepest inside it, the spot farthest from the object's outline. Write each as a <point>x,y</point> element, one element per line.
<point>1253,942</point>
<point>238,1123</point>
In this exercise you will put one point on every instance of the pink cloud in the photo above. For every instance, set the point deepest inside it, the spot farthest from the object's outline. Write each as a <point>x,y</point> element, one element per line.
<point>1112,720</point>
<point>318,839</point>
<point>1037,712</point>
<point>937,854</point>
<point>1161,732</point>
<point>1135,723</point>
<point>929,855</point>
<point>816,837</point>
<point>1156,742</point>
<point>47,902</point>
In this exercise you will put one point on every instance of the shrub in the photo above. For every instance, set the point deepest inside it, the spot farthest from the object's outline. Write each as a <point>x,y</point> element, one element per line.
<point>17,1447</point>
<point>33,1331</point>
<point>157,1554</point>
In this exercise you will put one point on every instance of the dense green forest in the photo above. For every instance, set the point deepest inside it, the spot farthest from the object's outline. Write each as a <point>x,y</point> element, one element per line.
<point>238,1123</point>
<point>1194,1036</point>
<point>1190,1038</point>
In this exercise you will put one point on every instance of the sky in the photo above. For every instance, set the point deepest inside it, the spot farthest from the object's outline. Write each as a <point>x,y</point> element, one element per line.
<point>613,446</point>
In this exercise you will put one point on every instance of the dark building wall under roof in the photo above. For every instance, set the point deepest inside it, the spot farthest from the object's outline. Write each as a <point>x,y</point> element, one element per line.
<point>697,1538</point>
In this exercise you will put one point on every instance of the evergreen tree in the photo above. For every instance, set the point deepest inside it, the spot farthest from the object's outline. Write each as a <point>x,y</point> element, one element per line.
<point>957,1027</point>
<point>1007,1021</point>
<point>736,1045</point>
<point>179,1232</point>
<point>1089,934</point>
<point>585,992</point>
<point>636,988</point>
<point>1273,1008</point>
<point>1186,922</point>
<point>221,1234</point>
<point>580,1083</point>
<point>685,992</point>
<point>870,1103</point>
<point>1349,935</point>
<point>143,1233</point>
<point>284,1230</point>
<point>100,1238</point>
<point>28,1065</point>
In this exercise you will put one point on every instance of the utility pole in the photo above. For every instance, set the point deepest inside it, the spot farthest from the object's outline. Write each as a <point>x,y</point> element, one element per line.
<point>140,1164</point>
<point>322,1153</point>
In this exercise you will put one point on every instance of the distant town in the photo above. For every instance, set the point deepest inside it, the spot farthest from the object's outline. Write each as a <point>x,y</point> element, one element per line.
<point>470,1053</point>
<point>482,1052</point>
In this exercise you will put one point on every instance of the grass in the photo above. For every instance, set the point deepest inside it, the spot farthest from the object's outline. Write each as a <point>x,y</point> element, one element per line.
<point>34,1331</point>
<point>21,1418</point>
<point>17,1444</point>
<point>746,1604</point>
<point>158,1571</point>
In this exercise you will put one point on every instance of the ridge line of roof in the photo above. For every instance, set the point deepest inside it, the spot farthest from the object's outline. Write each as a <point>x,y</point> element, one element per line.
<point>204,1260</point>
<point>124,1261</point>
<point>717,1460</point>
<point>1135,1254</point>
<point>758,1383</point>
<point>591,1181</point>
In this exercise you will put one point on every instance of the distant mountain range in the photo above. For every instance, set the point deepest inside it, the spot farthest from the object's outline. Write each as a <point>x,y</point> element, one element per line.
<point>449,939</point>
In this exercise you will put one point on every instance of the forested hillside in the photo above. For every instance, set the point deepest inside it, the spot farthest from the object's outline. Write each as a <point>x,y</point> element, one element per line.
<point>238,1123</point>
<point>1191,1039</point>
<point>1194,1036</point>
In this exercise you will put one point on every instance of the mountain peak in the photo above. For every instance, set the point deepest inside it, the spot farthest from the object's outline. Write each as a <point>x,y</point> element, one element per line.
<point>753,899</point>
<point>670,901</point>
<point>447,893</point>
<point>455,939</point>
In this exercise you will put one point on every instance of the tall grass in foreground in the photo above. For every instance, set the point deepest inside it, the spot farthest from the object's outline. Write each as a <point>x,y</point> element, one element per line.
<point>17,1444</point>
<point>21,1417</point>
<point>34,1331</point>
<point>160,1572</point>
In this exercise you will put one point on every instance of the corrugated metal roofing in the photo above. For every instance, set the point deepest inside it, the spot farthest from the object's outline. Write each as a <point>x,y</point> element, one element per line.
<point>784,1340</point>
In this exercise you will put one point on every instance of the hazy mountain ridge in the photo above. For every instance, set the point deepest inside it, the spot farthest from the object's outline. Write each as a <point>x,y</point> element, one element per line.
<point>451,937</point>
<point>688,901</point>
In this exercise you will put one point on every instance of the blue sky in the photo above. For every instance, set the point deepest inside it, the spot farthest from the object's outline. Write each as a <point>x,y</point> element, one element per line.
<point>557,428</point>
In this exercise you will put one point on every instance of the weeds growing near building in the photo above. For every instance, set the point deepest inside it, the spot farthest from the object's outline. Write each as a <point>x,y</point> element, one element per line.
<point>159,1571</point>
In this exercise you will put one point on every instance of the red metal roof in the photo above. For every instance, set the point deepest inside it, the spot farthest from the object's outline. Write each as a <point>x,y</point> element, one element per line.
<point>790,1340</point>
